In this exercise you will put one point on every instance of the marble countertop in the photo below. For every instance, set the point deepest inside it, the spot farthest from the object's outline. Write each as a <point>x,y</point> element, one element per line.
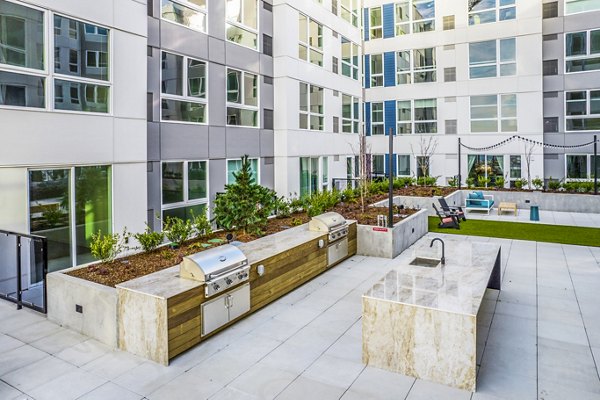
<point>458,286</point>
<point>164,284</point>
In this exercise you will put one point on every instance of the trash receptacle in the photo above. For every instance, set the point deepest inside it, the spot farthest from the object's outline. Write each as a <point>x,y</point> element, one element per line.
<point>534,213</point>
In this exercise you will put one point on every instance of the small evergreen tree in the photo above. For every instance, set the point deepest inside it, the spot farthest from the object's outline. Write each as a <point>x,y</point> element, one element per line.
<point>245,204</point>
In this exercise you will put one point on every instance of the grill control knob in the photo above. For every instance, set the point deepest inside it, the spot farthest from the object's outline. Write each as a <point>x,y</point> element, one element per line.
<point>216,286</point>
<point>228,281</point>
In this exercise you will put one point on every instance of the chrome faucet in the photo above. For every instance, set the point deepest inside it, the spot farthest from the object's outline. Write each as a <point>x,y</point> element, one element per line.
<point>443,249</point>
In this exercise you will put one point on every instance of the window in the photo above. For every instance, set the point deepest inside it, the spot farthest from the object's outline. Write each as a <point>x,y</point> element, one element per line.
<point>349,11</point>
<point>183,89</point>
<point>378,167</point>
<point>325,172</point>
<point>423,166</point>
<point>416,116</point>
<point>234,166</point>
<point>242,22</point>
<point>582,51</point>
<point>515,169</point>
<point>550,10</point>
<point>577,6</point>
<point>494,113</point>
<point>309,175</point>
<point>242,98</point>
<point>576,166</point>
<point>550,124</point>
<point>184,187</point>
<point>350,118</point>
<point>403,165</point>
<point>449,22</point>
<point>376,70</point>
<point>95,59</point>
<point>417,66</point>
<point>311,40</point>
<point>375,23</point>
<point>582,110</point>
<point>413,16</point>
<point>80,199</point>
<point>485,166</point>
<point>486,11</point>
<point>311,107</point>
<point>450,74</point>
<point>492,58</point>
<point>191,13</point>
<point>550,67</point>
<point>349,59</point>
<point>377,126</point>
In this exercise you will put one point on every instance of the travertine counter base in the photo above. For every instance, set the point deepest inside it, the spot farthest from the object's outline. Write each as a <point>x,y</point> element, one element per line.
<point>422,321</point>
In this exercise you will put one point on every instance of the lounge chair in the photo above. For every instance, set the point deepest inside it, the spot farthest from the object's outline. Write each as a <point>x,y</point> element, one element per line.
<point>452,210</point>
<point>446,221</point>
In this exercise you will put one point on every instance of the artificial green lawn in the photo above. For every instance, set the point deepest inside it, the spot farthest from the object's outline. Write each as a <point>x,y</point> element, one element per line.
<point>523,231</point>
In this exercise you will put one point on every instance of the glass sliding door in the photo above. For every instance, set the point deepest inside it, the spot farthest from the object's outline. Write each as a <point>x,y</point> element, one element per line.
<point>309,175</point>
<point>50,213</point>
<point>93,207</point>
<point>495,168</point>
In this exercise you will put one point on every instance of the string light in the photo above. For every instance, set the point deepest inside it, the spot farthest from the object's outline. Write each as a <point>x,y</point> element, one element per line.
<point>534,142</point>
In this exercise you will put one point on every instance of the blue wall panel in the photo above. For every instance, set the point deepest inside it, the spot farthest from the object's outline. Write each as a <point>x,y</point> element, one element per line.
<point>366,23</point>
<point>390,116</point>
<point>388,20</point>
<point>389,68</point>
<point>368,119</point>
<point>367,71</point>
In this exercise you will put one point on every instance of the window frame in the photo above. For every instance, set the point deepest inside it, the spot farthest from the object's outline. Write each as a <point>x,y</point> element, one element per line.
<point>354,68</point>
<point>588,167</point>
<point>242,26</point>
<point>186,200</point>
<point>354,119</point>
<point>588,107</point>
<point>499,115</point>
<point>378,123</point>
<point>309,114</point>
<point>378,75</point>
<point>250,159</point>
<point>378,28</point>
<point>498,62</point>
<point>185,97</point>
<point>243,106</point>
<point>193,7</point>
<point>497,8</point>
<point>307,45</point>
<point>354,14</point>
<point>588,55</point>
<point>398,165</point>
<point>413,121</point>
<point>578,12</point>
<point>411,21</point>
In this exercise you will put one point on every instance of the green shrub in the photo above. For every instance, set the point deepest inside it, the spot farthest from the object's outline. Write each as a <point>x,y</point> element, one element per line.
<point>404,181</point>
<point>177,230</point>
<point>553,184</point>
<point>245,204</point>
<point>321,202</point>
<point>149,240</point>
<point>499,182</point>
<point>107,247</point>
<point>482,181</point>
<point>453,182</point>
<point>470,182</point>
<point>349,195</point>
<point>201,224</point>
<point>296,205</point>
<point>537,183</point>
<point>378,187</point>
<point>519,183</point>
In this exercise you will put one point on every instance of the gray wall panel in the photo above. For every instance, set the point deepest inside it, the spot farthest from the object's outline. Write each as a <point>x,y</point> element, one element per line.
<point>242,57</point>
<point>267,143</point>
<point>153,32</point>
<point>240,141</point>
<point>183,141</point>
<point>183,40</point>
<point>216,10</point>
<point>153,141</point>
<point>216,142</point>
<point>216,94</point>
<point>217,171</point>
<point>216,50</point>
<point>266,65</point>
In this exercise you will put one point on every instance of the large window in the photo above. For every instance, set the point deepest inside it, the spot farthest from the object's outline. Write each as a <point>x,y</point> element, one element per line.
<point>349,59</point>
<point>403,168</point>
<point>350,118</point>
<point>416,116</point>
<point>311,107</point>
<point>515,169</point>
<point>378,167</point>
<point>349,11</point>
<point>21,36</point>
<point>184,188</point>
<point>190,13</point>
<point>235,166</point>
<point>492,58</point>
<point>183,89</point>
<point>414,16</point>
<point>376,70</point>
<point>242,98</point>
<point>377,126</point>
<point>582,51</point>
<point>577,166</point>
<point>325,173</point>
<point>309,175</point>
<point>242,22</point>
<point>417,66</point>
<point>486,11</point>
<point>582,110</point>
<point>494,113</point>
<point>375,22</point>
<point>485,167</point>
<point>577,6</point>
<point>67,206</point>
<point>310,47</point>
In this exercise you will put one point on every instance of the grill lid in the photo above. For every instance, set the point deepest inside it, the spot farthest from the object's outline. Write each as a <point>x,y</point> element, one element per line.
<point>208,264</point>
<point>326,222</point>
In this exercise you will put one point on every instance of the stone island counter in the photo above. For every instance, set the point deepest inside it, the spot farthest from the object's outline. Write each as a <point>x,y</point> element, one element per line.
<point>421,320</point>
<point>161,315</point>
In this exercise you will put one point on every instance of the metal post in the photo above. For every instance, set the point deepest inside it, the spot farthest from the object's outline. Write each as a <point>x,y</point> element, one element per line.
<point>391,181</point>
<point>45,273</point>
<point>459,177</point>
<point>595,164</point>
<point>19,288</point>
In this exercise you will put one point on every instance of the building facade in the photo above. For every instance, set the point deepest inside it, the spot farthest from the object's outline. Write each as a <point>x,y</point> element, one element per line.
<point>73,121</point>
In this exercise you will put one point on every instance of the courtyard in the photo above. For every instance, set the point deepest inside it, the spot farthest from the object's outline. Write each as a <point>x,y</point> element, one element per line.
<point>538,338</point>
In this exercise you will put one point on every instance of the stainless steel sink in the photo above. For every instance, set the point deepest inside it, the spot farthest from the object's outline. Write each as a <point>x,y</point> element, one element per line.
<point>425,262</point>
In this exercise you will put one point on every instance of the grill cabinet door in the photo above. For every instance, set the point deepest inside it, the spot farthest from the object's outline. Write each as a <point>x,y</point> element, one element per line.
<point>337,251</point>
<point>239,302</point>
<point>215,314</point>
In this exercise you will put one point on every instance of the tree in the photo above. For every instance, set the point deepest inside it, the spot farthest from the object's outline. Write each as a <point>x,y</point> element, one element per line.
<point>364,168</point>
<point>245,204</point>
<point>425,151</point>
<point>529,147</point>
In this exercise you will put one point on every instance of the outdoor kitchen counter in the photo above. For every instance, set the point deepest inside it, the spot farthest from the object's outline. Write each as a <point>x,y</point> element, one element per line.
<point>163,284</point>
<point>422,321</point>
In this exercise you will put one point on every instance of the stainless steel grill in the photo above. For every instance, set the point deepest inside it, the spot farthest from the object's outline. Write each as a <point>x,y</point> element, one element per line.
<point>336,227</point>
<point>220,268</point>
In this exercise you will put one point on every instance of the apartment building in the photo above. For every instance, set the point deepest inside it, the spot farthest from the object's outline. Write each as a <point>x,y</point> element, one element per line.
<point>440,71</point>
<point>210,100</point>
<point>72,121</point>
<point>318,94</point>
<point>571,51</point>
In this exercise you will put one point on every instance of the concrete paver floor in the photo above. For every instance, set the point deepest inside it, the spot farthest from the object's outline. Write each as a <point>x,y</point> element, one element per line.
<point>540,338</point>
